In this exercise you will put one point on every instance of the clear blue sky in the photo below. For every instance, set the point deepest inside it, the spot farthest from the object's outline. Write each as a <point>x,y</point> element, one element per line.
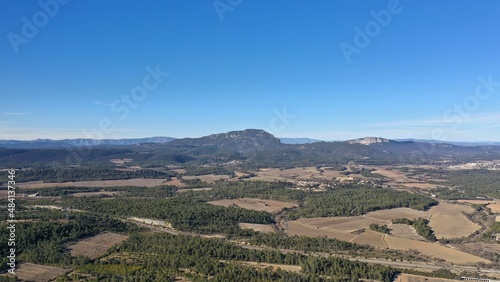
<point>242,66</point>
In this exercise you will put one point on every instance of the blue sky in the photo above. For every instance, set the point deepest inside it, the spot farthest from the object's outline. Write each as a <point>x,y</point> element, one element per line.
<point>331,70</point>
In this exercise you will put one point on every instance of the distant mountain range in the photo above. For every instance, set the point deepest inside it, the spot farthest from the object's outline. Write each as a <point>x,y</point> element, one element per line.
<point>249,148</point>
<point>66,143</point>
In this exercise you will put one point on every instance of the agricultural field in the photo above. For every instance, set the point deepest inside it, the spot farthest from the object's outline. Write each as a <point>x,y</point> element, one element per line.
<point>96,246</point>
<point>447,221</point>
<point>300,173</point>
<point>445,218</point>
<point>388,215</point>
<point>38,272</point>
<point>255,204</point>
<point>405,231</point>
<point>372,238</point>
<point>137,182</point>
<point>208,178</point>
<point>435,250</point>
<point>495,207</point>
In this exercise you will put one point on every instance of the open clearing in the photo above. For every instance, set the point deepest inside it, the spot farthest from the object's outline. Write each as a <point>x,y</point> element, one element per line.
<point>391,214</point>
<point>434,250</point>
<point>300,173</point>
<point>255,204</point>
<point>370,237</point>
<point>38,272</point>
<point>264,228</point>
<point>136,182</point>
<point>209,178</point>
<point>494,207</point>
<point>405,231</point>
<point>415,278</point>
<point>274,266</point>
<point>447,221</point>
<point>96,246</point>
<point>120,161</point>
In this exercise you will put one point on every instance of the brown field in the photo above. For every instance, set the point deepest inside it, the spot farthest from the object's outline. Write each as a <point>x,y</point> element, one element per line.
<point>264,228</point>
<point>415,278</point>
<point>137,182</point>
<point>447,221</point>
<point>435,250</point>
<point>346,224</point>
<point>38,272</point>
<point>405,231</point>
<point>90,194</point>
<point>391,214</point>
<point>3,194</point>
<point>498,218</point>
<point>96,246</point>
<point>495,207</point>
<point>371,238</point>
<point>174,182</point>
<point>209,178</point>
<point>255,204</point>
<point>299,228</point>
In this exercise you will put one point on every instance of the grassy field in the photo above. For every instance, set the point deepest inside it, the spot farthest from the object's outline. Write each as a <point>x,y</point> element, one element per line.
<point>447,221</point>
<point>264,228</point>
<point>38,273</point>
<point>435,250</point>
<point>405,231</point>
<point>208,178</point>
<point>96,246</point>
<point>255,204</point>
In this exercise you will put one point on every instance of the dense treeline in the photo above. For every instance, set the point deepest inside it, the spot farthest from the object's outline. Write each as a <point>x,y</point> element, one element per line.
<point>423,229</point>
<point>468,184</point>
<point>380,228</point>
<point>186,214</point>
<point>44,241</point>
<point>402,221</point>
<point>305,244</point>
<point>349,202</point>
<point>165,254</point>
<point>61,174</point>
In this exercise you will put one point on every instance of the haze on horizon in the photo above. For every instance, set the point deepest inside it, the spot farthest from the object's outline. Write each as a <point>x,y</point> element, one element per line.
<point>328,70</point>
